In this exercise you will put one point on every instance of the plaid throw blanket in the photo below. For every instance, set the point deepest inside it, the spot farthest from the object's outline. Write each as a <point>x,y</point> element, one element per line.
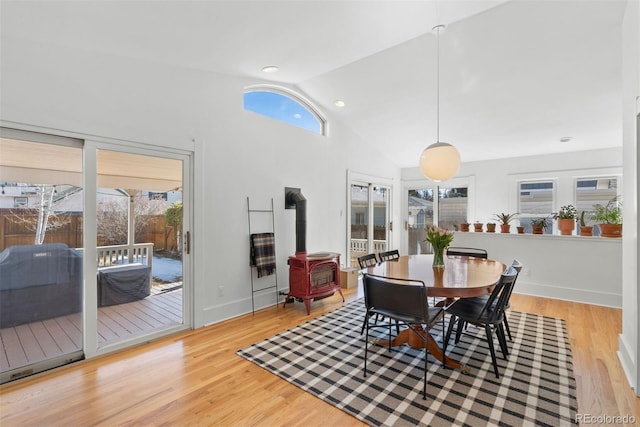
<point>263,253</point>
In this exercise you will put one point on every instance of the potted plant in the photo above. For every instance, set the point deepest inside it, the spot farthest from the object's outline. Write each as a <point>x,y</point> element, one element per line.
<point>464,227</point>
<point>585,230</point>
<point>477,227</point>
<point>609,218</point>
<point>566,217</point>
<point>505,219</point>
<point>538,225</point>
<point>491,227</point>
<point>520,229</point>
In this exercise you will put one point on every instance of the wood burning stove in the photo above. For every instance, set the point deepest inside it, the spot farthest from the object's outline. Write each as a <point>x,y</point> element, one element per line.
<point>311,276</point>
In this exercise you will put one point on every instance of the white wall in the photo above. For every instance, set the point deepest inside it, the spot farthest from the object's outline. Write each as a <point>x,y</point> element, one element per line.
<point>574,268</point>
<point>237,154</point>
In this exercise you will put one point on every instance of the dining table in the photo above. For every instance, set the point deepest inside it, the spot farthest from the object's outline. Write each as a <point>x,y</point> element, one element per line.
<point>461,277</point>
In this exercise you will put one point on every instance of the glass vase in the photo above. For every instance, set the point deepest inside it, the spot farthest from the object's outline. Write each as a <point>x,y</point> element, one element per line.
<point>438,257</point>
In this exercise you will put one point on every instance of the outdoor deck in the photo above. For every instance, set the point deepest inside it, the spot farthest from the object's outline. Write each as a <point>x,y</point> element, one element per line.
<point>34,342</point>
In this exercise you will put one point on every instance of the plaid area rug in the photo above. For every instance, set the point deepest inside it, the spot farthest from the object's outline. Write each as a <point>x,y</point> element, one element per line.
<point>325,357</point>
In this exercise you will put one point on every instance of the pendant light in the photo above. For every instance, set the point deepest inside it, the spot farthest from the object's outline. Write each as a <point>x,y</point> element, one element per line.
<point>439,161</point>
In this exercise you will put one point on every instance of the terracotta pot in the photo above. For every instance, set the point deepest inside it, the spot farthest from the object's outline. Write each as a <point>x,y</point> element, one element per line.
<point>520,229</point>
<point>477,227</point>
<point>587,230</point>
<point>464,227</point>
<point>491,228</point>
<point>566,226</point>
<point>610,230</point>
<point>505,228</point>
<point>537,230</point>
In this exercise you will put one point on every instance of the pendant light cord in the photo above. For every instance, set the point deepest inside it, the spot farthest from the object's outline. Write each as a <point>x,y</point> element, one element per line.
<point>438,84</point>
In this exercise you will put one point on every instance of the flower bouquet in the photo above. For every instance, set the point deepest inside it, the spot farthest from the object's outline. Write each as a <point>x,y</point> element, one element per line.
<point>440,239</point>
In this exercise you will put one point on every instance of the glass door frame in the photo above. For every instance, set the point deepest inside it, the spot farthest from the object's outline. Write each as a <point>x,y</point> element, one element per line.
<point>90,320</point>
<point>354,178</point>
<point>420,184</point>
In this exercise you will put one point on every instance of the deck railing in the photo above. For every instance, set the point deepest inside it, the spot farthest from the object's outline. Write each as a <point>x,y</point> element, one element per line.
<point>123,254</point>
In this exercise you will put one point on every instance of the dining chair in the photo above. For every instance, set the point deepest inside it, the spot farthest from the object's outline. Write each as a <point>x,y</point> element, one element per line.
<point>367,260</point>
<point>517,265</point>
<point>364,262</point>
<point>462,251</point>
<point>404,301</point>
<point>489,314</point>
<point>389,255</point>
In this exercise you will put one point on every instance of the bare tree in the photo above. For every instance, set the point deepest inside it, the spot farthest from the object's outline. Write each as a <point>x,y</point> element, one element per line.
<point>113,220</point>
<point>44,217</point>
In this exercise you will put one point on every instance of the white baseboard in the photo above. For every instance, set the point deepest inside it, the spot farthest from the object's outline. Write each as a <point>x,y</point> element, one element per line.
<point>569,294</point>
<point>626,355</point>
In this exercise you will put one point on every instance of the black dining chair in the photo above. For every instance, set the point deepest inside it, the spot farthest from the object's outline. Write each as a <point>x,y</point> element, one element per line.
<point>404,301</point>
<point>364,262</point>
<point>461,251</point>
<point>517,265</point>
<point>389,255</point>
<point>489,314</point>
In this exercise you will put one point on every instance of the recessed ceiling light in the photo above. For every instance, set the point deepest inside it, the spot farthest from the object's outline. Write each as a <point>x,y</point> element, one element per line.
<point>338,103</point>
<point>566,139</point>
<point>270,69</point>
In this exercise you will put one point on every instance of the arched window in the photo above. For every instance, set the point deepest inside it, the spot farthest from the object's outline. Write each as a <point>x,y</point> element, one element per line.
<point>285,106</point>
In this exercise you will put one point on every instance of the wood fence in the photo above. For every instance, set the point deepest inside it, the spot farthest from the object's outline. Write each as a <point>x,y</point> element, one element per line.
<point>14,233</point>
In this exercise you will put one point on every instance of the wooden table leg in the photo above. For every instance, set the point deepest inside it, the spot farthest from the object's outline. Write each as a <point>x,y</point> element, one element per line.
<point>407,336</point>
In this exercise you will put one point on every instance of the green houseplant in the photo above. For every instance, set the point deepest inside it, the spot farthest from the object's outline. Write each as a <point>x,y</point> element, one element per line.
<point>566,217</point>
<point>505,219</point>
<point>538,225</point>
<point>609,218</point>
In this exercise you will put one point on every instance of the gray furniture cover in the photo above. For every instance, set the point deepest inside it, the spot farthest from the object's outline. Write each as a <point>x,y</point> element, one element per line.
<point>38,282</point>
<point>119,284</point>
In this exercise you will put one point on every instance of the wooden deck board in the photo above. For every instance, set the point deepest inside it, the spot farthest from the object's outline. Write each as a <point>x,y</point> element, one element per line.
<point>34,342</point>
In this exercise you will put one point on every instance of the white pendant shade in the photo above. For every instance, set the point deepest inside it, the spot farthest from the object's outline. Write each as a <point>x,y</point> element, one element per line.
<point>440,161</point>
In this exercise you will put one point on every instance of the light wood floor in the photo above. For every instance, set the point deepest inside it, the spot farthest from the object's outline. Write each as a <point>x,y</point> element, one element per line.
<point>194,378</point>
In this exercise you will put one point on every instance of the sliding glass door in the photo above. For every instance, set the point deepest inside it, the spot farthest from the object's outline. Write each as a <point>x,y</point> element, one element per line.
<point>41,275</point>
<point>94,248</point>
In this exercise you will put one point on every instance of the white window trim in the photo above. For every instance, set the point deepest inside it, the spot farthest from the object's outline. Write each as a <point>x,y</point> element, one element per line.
<point>297,97</point>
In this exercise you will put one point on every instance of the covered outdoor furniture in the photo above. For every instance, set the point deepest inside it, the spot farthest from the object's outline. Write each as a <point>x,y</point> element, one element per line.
<point>119,284</point>
<point>39,282</point>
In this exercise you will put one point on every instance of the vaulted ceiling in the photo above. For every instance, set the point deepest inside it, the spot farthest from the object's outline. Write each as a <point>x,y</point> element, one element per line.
<point>516,76</point>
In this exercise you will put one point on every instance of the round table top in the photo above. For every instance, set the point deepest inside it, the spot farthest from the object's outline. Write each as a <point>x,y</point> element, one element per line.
<point>462,276</point>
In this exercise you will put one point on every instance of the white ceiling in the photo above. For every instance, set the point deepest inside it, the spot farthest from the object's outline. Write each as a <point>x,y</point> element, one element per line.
<point>516,76</point>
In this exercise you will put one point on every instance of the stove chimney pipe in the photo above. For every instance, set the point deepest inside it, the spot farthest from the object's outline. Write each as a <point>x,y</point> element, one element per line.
<point>293,198</point>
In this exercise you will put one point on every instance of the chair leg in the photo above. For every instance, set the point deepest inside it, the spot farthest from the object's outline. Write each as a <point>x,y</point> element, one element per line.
<point>502,339</point>
<point>489,332</point>
<point>366,346</point>
<point>426,356</point>
<point>364,324</point>
<point>452,322</point>
<point>461,324</point>
<point>506,326</point>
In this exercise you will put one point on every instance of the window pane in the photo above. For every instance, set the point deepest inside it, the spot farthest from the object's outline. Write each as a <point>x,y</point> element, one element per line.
<point>452,206</point>
<point>536,198</point>
<point>420,208</point>
<point>283,108</point>
<point>592,191</point>
<point>536,201</point>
